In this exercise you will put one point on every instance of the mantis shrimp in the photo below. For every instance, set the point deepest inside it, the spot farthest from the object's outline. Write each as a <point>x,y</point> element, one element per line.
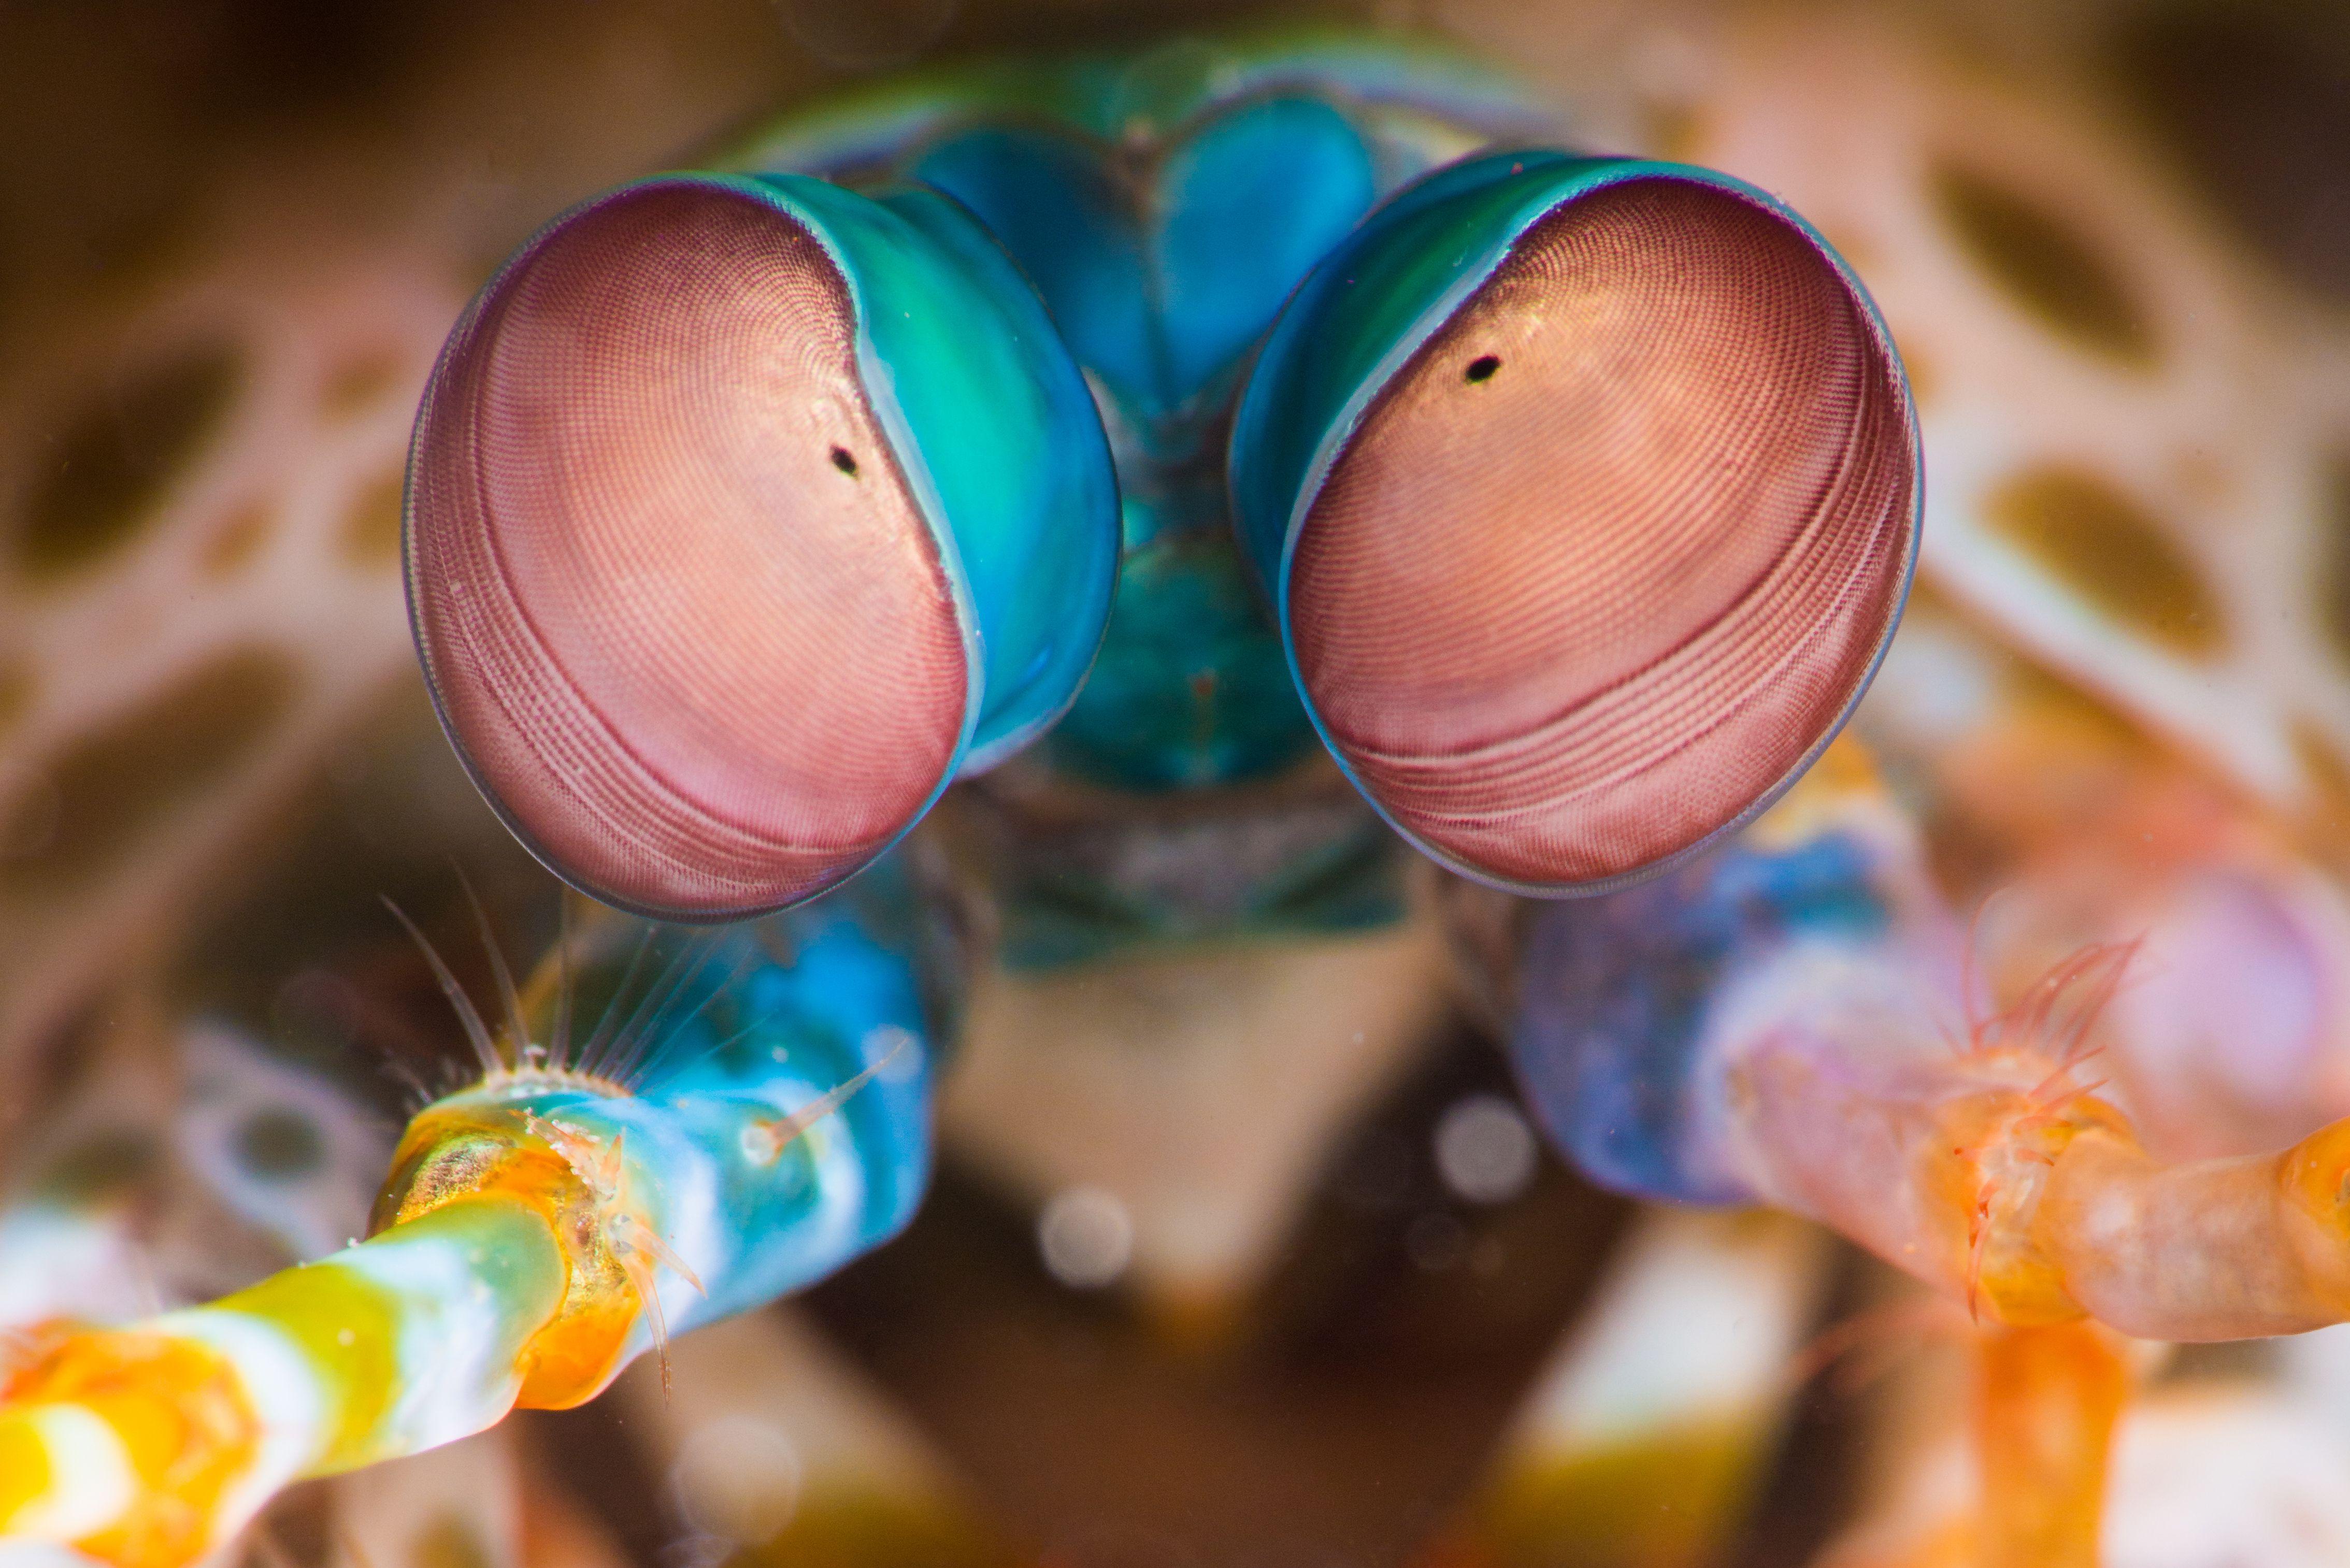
<point>1232,426</point>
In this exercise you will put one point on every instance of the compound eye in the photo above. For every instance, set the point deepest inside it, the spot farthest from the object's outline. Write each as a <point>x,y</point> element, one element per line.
<point>1609,555</point>
<point>677,598</point>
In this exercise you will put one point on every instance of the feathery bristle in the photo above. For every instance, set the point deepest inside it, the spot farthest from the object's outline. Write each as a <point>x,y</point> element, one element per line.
<point>517,1032</point>
<point>476,1031</point>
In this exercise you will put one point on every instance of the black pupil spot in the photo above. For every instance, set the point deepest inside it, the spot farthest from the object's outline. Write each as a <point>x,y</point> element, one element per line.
<point>1482,367</point>
<point>842,460</point>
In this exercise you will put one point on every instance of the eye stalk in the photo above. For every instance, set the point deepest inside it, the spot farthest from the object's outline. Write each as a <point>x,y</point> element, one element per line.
<point>1587,492</point>
<point>743,514</point>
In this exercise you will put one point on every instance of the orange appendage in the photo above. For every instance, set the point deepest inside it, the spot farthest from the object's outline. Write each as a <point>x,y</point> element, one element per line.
<point>627,1232</point>
<point>2313,1174</point>
<point>1987,1172</point>
<point>1999,1146</point>
<point>456,1152</point>
<point>2048,1401</point>
<point>2316,1173</point>
<point>182,1416</point>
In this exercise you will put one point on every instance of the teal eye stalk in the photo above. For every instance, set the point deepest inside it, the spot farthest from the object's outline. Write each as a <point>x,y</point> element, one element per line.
<point>743,514</point>
<point>1587,492</point>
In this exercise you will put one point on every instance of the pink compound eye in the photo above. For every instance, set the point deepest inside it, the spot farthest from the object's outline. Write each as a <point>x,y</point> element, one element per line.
<point>676,603</point>
<point>741,514</point>
<point>1608,557</point>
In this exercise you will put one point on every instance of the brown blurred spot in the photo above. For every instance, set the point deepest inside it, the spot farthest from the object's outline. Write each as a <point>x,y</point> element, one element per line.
<point>2045,264</point>
<point>1675,131</point>
<point>279,1143</point>
<point>867,35</point>
<point>1918,369</point>
<point>236,541</point>
<point>2104,548</point>
<point>288,63</point>
<point>17,687</point>
<point>449,1542</point>
<point>867,1527</point>
<point>366,379</point>
<point>1857,251</point>
<point>2325,812</point>
<point>372,527</point>
<point>99,1165</point>
<point>113,463</point>
<point>2333,562</point>
<point>98,793</point>
<point>2253,102</point>
<point>1654,1497</point>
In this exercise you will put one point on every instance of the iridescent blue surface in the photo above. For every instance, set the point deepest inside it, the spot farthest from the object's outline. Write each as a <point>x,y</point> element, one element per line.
<point>1617,992</point>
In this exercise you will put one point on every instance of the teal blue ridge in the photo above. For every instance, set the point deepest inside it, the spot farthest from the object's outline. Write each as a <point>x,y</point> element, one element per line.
<point>1347,877</point>
<point>1051,202</point>
<point>1161,288</point>
<point>1185,604</point>
<point>1368,308</point>
<point>1157,290</point>
<point>1409,88</point>
<point>996,433</point>
<point>1291,174</point>
<point>1155,296</point>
